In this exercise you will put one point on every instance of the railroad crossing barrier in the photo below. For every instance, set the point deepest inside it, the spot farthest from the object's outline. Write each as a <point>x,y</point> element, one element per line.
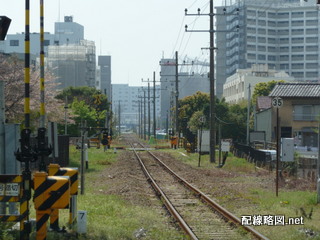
<point>11,191</point>
<point>50,192</point>
<point>56,170</point>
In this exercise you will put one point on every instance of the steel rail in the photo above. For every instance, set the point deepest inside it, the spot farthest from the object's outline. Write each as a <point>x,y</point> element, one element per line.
<point>224,212</point>
<point>165,200</point>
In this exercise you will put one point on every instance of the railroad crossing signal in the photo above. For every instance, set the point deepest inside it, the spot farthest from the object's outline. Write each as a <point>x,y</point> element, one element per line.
<point>277,102</point>
<point>202,119</point>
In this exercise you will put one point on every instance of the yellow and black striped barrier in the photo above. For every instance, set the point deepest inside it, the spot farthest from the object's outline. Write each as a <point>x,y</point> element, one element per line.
<point>11,190</point>
<point>50,192</point>
<point>55,170</point>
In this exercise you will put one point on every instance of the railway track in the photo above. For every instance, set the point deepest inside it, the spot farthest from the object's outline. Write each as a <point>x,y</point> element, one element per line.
<point>198,215</point>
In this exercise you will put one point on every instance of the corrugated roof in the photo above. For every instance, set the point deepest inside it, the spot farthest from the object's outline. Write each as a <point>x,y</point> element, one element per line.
<point>296,90</point>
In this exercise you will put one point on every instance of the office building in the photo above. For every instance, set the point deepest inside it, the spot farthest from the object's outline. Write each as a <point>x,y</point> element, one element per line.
<point>126,100</point>
<point>104,76</point>
<point>283,34</point>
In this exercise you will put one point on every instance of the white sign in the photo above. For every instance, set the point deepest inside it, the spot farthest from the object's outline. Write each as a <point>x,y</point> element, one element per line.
<point>277,102</point>
<point>287,149</point>
<point>12,189</point>
<point>82,221</point>
<point>2,187</point>
<point>225,146</point>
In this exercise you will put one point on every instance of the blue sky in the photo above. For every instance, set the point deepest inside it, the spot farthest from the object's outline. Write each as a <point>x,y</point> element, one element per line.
<point>135,33</point>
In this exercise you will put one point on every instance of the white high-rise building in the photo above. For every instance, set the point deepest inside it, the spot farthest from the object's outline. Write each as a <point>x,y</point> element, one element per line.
<point>283,34</point>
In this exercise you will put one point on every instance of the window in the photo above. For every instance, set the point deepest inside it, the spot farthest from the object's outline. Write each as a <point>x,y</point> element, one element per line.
<point>261,13</point>
<point>272,49</point>
<point>297,15</point>
<point>284,40</point>
<point>312,31</point>
<point>297,40</point>
<point>251,30</point>
<point>251,39</point>
<point>283,24</point>
<point>284,58</point>
<point>312,22</point>
<point>297,49</point>
<point>312,74</point>
<point>312,57</point>
<point>46,42</point>
<point>312,14</point>
<point>271,23</point>
<point>271,58</point>
<point>312,48</point>
<point>297,75</point>
<point>283,32</point>
<point>283,15</point>
<point>251,56</point>
<point>312,65</point>
<point>272,32</point>
<point>284,49</point>
<point>261,57</point>
<point>14,43</point>
<point>297,57</point>
<point>297,66</point>
<point>297,31</point>
<point>262,48</point>
<point>297,23</point>
<point>284,66</point>
<point>271,14</point>
<point>312,39</point>
<point>251,47</point>
<point>272,40</point>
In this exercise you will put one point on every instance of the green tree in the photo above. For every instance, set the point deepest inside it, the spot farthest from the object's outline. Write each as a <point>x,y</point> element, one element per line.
<point>84,103</point>
<point>83,112</point>
<point>264,89</point>
<point>191,108</point>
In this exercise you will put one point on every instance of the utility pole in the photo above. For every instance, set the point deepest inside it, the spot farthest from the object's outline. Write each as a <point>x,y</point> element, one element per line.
<point>66,116</point>
<point>144,115</point>
<point>149,116</point>
<point>248,114</point>
<point>177,99</point>
<point>211,75</point>
<point>176,92</point>
<point>119,116</point>
<point>154,106</point>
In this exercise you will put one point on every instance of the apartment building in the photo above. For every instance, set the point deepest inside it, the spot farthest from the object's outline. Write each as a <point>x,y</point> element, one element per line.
<point>283,34</point>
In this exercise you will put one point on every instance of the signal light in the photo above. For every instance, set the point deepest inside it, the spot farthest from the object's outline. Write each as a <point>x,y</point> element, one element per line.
<point>4,26</point>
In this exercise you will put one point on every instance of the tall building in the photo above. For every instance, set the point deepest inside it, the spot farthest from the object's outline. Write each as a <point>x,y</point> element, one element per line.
<point>126,99</point>
<point>68,54</point>
<point>104,65</point>
<point>74,65</point>
<point>283,34</point>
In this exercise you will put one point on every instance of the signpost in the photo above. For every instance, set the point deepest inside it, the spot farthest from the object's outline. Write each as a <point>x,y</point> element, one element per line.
<point>277,103</point>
